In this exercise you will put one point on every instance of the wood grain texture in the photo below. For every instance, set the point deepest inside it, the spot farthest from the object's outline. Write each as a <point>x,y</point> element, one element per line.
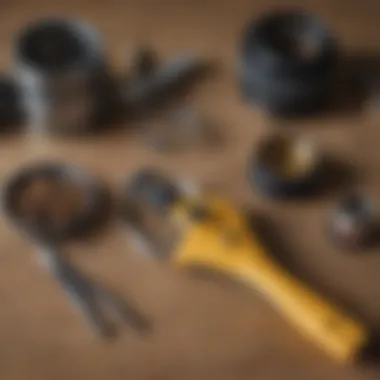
<point>202,329</point>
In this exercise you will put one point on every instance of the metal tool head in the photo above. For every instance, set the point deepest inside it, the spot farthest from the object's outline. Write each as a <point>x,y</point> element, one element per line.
<point>151,186</point>
<point>53,202</point>
<point>148,202</point>
<point>214,231</point>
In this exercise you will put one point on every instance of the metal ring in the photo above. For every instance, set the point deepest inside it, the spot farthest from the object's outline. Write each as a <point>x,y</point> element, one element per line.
<point>90,215</point>
<point>354,222</point>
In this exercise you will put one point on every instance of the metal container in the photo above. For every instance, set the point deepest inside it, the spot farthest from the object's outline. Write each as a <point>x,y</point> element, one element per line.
<point>62,73</point>
<point>286,166</point>
<point>354,222</point>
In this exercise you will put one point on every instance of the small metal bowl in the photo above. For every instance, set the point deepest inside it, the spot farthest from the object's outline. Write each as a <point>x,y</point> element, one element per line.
<point>353,222</point>
<point>54,202</point>
<point>286,166</point>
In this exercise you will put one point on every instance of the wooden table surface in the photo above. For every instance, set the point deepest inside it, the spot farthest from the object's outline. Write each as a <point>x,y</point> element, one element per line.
<point>202,329</point>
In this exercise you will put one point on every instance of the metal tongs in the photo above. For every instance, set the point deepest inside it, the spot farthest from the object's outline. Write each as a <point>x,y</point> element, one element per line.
<point>97,304</point>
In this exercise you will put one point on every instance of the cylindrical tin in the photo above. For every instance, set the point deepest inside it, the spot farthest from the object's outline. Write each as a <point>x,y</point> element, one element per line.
<point>62,73</point>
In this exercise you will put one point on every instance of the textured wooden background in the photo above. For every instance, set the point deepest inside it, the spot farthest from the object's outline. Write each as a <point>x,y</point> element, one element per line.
<point>202,329</point>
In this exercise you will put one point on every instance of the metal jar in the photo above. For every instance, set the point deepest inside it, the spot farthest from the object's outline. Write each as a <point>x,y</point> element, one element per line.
<point>61,69</point>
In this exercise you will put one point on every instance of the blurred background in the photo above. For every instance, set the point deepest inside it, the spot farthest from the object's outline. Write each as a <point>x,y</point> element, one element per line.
<point>201,328</point>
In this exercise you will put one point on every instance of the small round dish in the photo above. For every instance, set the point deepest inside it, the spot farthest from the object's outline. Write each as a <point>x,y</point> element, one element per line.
<point>353,222</point>
<point>288,61</point>
<point>53,201</point>
<point>285,166</point>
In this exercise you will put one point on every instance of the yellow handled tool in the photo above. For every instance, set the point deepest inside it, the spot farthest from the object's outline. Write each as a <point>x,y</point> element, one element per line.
<point>216,235</point>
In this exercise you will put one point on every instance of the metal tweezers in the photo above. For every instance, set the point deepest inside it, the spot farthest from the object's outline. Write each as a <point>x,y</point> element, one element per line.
<point>97,304</point>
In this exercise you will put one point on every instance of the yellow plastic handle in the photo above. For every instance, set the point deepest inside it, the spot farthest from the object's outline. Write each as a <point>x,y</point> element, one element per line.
<point>338,334</point>
<point>226,243</point>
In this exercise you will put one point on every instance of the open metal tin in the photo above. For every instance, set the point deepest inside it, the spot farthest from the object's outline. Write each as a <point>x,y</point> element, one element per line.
<point>285,165</point>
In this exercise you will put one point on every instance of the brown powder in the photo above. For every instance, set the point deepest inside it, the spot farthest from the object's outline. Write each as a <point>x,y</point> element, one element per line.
<point>55,201</point>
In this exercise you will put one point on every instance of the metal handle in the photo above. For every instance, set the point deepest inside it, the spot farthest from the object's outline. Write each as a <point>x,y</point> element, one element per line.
<point>94,301</point>
<point>79,288</point>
